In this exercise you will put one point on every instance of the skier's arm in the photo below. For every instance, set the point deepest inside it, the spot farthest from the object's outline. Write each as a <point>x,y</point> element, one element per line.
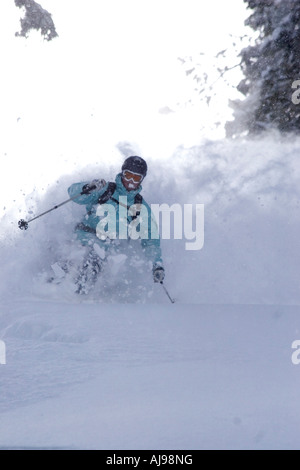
<point>153,253</point>
<point>151,246</point>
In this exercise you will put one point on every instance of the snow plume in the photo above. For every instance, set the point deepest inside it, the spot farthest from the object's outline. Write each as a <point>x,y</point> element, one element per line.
<point>250,191</point>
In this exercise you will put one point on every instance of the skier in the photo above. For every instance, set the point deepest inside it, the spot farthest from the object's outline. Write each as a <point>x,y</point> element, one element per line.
<point>90,231</point>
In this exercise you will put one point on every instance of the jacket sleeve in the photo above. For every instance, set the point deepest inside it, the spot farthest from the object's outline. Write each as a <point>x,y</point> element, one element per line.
<point>151,244</point>
<point>85,199</point>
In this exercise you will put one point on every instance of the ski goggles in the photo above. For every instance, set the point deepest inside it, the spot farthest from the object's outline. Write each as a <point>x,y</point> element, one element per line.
<point>130,176</point>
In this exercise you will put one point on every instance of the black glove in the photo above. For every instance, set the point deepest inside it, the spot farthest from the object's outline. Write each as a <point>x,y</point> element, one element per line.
<point>158,273</point>
<point>95,185</point>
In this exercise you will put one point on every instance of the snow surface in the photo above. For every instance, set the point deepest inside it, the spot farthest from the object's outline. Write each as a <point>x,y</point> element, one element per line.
<point>124,368</point>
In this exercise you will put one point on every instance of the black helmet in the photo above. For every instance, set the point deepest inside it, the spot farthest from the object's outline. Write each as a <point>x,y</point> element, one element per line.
<point>136,165</point>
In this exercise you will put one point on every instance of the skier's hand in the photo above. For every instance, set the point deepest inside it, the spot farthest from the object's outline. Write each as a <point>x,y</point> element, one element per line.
<point>95,185</point>
<point>158,274</point>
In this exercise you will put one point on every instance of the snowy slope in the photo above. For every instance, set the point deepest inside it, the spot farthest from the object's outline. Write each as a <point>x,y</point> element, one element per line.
<point>163,377</point>
<point>126,369</point>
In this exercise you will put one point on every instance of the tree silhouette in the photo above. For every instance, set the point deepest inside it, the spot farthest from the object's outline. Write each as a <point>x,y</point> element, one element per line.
<point>270,68</point>
<point>36,18</point>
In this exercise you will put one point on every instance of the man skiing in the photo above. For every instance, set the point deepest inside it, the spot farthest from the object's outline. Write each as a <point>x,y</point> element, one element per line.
<point>116,198</point>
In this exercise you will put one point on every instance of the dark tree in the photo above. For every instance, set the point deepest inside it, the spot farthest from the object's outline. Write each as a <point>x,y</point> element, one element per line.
<point>271,70</point>
<point>36,18</point>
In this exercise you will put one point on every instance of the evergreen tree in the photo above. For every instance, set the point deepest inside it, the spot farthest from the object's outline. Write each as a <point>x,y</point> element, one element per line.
<point>36,18</point>
<point>271,68</point>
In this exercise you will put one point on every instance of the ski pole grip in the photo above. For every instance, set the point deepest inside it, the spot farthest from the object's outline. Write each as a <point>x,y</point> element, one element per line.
<point>87,188</point>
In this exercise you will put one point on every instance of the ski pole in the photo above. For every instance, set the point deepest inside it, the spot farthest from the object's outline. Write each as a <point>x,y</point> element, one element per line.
<point>23,224</point>
<point>166,291</point>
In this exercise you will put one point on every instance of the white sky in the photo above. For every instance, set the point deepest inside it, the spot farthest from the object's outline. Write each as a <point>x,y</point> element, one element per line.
<point>114,65</point>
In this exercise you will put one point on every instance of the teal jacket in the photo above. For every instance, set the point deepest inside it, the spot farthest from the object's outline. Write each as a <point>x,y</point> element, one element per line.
<point>114,213</point>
